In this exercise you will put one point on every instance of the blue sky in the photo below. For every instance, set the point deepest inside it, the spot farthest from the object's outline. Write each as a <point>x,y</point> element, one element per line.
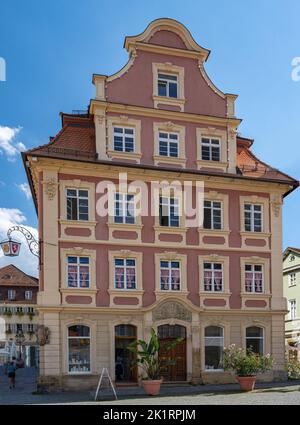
<point>52,48</point>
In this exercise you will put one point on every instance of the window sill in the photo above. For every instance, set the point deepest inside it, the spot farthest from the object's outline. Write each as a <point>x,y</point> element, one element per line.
<point>214,232</point>
<point>77,223</point>
<point>125,155</point>
<point>255,234</point>
<point>79,291</point>
<point>167,99</point>
<point>256,294</point>
<point>201,163</point>
<point>125,226</point>
<point>169,159</point>
<point>213,370</point>
<point>214,294</point>
<point>170,291</point>
<point>125,292</point>
<point>170,229</point>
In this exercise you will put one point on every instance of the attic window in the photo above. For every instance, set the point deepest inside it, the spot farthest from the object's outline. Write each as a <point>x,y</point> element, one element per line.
<point>6,276</point>
<point>167,85</point>
<point>292,258</point>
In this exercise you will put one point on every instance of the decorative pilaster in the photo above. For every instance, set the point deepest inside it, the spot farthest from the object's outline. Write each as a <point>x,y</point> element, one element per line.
<point>101,133</point>
<point>277,301</point>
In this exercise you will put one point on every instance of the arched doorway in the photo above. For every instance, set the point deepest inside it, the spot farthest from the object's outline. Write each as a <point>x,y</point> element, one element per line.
<point>176,371</point>
<point>125,370</point>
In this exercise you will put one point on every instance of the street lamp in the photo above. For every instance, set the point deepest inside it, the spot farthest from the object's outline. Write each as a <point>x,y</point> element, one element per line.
<point>11,247</point>
<point>20,338</point>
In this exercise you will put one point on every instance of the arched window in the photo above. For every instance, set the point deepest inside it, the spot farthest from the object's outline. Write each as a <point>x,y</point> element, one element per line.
<point>79,349</point>
<point>255,339</point>
<point>214,345</point>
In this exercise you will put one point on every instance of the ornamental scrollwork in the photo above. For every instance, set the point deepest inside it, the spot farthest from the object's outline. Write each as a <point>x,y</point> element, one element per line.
<point>171,310</point>
<point>43,335</point>
<point>50,188</point>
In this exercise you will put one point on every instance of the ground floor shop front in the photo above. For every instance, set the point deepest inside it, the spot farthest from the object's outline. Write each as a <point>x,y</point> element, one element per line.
<point>82,342</point>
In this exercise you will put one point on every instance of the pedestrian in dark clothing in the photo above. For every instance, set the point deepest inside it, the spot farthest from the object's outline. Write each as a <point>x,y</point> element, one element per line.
<point>11,373</point>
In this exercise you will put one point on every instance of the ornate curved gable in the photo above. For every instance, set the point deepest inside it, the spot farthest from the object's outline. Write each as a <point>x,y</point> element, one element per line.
<point>167,27</point>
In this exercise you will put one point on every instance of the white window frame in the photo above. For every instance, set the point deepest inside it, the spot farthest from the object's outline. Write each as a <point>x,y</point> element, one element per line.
<point>126,267</point>
<point>11,294</point>
<point>257,337</point>
<point>125,205</point>
<point>167,82</point>
<point>207,337</point>
<point>30,327</point>
<point>28,295</point>
<point>123,136</point>
<point>78,197</point>
<point>210,145</point>
<point>212,208</point>
<point>168,141</point>
<point>77,264</point>
<point>252,212</point>
<point>165,202</point>
<point>292,278</point>
<point>170,268</point>
<point>292,309</point>
<point>87,372</point>
<point>253,291</point>
<point>213,270</point>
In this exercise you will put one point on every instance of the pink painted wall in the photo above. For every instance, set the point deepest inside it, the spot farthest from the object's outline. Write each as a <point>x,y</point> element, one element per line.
<point>135,87</point>
<point>148,271</point>
<point>167,39</point>
<point>148,234</point>
<point>192,237</point>
<point>74,299</point>
<point>148,142</point>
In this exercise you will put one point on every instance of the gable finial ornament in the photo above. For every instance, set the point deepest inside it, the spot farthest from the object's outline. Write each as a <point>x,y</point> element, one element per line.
<point>50,187</point>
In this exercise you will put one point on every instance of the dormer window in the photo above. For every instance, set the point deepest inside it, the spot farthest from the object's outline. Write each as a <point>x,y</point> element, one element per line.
<point>210,149</point>
<point>124,139</point>
<point>167,85</point>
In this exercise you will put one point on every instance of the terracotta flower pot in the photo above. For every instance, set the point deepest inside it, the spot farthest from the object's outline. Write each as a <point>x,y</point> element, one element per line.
<point>152,387</point>
<point>246,382</point>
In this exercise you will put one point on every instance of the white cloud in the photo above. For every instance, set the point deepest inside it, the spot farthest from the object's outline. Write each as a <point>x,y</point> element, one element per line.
<point>25,261</point>
<point>8,144</point>
<point>24,187</point>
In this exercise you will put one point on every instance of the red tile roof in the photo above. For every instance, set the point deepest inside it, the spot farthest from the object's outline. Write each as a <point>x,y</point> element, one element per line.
<point>76,140</point>
<point>12,276</point>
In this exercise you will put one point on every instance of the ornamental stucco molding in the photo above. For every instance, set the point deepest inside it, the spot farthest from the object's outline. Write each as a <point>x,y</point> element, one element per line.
<point>276,203</point>
<point>50,187</point>
<point>171,310</point>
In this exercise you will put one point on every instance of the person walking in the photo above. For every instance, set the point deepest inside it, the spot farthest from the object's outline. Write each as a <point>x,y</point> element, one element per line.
<point>11,374</point>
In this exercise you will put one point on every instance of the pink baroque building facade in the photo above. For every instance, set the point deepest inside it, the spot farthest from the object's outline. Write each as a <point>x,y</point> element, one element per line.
<point>107,280</point>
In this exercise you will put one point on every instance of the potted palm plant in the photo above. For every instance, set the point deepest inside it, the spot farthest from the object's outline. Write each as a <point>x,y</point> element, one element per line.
<point>246,364</point>
<point>147,357</point>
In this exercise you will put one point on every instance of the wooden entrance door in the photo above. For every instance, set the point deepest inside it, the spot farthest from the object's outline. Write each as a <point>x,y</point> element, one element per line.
<point>176,371</point>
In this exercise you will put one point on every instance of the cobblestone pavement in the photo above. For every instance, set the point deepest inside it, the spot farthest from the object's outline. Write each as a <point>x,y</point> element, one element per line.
<point>268,393</point>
